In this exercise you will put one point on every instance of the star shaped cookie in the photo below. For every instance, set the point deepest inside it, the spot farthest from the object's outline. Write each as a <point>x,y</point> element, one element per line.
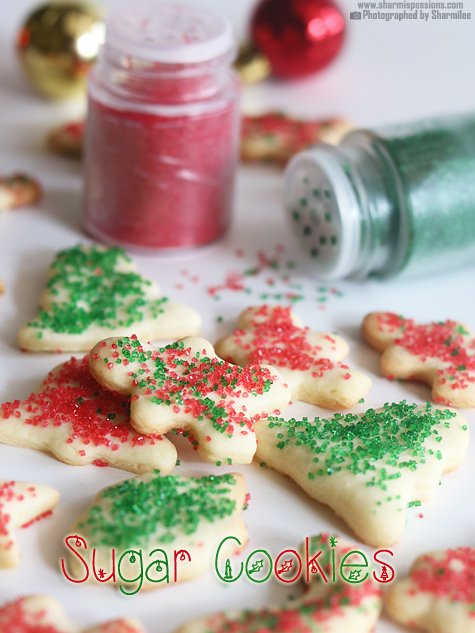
<point>93,292</point>
<point>72,417</point>
<point>438,596</point>
<point>326,607</point>
<point>186,386</point>
<point>146,520</point>
<point>370,467</point>
<point>21,503</point>
<point>441,354</point>
<point>42,614</point>
<point>309,362</point>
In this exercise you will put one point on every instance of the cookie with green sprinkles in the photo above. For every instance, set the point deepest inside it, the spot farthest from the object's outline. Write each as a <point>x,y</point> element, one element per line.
<point>93,292</point>
<point>79,422</point>
<point>43,614</point>
<point>309,362</point>
<point>185,386</point>
<point>438,595</point>
<point>331,606</point>
<point>369,467</point>
<point>170,526</point>
<point>441,354</point>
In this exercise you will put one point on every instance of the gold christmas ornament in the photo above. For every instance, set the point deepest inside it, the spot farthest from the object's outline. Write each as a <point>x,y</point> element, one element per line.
<point>252,65</point>
<point>58,43</point>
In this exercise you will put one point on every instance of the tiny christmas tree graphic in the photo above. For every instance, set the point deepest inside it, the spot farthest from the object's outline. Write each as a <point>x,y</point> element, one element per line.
<point>228,575</point>
<point>384,574</point>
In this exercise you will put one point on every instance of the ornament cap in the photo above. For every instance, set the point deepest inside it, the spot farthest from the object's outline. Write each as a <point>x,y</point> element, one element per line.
<point>169,33</point>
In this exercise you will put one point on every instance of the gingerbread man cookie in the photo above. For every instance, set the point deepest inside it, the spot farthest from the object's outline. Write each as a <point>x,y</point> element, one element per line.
<point>275,137</point>
<point>162,529</point>
<point>42,614</point>
<point>440,354</point>
<point>330,605</point>
<point>438,596</point>
<point>18,190</point>
<point>94,292</point>
<point>370,467</point>
<point>186,386</point>
<point>309,362</point>
<point>79,422</point>
<point>21,503</point>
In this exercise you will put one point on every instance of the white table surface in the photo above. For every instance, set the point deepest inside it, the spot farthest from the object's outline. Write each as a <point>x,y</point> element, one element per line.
<point>388,72</point>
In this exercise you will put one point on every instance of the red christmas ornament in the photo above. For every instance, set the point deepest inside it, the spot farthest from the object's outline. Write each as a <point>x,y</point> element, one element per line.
<point>298,37</point>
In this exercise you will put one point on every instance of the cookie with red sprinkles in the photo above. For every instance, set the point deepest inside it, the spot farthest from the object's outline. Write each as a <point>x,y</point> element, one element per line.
<point>329,604</point>
<point>42,614</point>
<point>185,386</point>
<point>93,292</point>
<point>21,503</point>
<point>79,422</point>
<point>67,139</point>
<point>274,137</point>
<point>369,468</point>
<point>309,362</point>
<point>169,525</point>
<point>441,354</point>
<point>438,595</point>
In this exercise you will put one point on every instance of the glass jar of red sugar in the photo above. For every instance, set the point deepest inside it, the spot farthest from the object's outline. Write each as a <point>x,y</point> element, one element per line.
<point>162,130</point>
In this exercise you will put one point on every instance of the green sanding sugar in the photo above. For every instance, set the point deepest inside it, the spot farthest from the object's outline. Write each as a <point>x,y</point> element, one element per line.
<point>394,437</point>
<point>90,290</point>
<point>132,512</point>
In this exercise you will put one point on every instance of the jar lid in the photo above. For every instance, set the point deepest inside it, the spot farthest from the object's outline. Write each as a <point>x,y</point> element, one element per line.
<point>324,211</point>
<point>169,33</point>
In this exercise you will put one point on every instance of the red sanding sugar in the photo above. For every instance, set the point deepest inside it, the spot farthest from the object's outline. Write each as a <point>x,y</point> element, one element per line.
<point>161,138</point>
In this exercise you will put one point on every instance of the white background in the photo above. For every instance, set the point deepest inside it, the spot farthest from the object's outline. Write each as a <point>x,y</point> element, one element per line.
<point>388,72</point>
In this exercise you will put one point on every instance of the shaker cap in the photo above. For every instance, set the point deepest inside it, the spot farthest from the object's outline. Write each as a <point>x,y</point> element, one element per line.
<point>169,33</point>
<point>324,211</point>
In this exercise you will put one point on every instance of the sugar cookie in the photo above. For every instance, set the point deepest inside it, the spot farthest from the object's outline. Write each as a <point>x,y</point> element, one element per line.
<point>162,529</point>
<point>67,139</point>
<point>186,386</point>
<point>440,354</point>
<point>72,417</point>
<point>275,137</point>
<point>94,292</point>
<point>438,596</point>
<point>368,468</point>
<point>18,190</point>
<point>309,362</point>
<point>21,503</point>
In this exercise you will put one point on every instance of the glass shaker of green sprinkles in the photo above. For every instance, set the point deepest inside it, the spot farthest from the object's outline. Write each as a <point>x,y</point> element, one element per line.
<point>389,201</point>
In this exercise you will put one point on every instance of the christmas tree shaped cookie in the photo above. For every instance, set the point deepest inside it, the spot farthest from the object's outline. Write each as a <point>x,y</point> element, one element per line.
<point>309,362</point>
<point>330,605</point>
<point>440,354</point>
<point>438,596</point>
<point>93,292</point>
<point>186,386</point>
<point>163,530</point>
<point>21,503</point>
<point>368,468</point>
<point>79,422</point>
<point>42,614</point>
